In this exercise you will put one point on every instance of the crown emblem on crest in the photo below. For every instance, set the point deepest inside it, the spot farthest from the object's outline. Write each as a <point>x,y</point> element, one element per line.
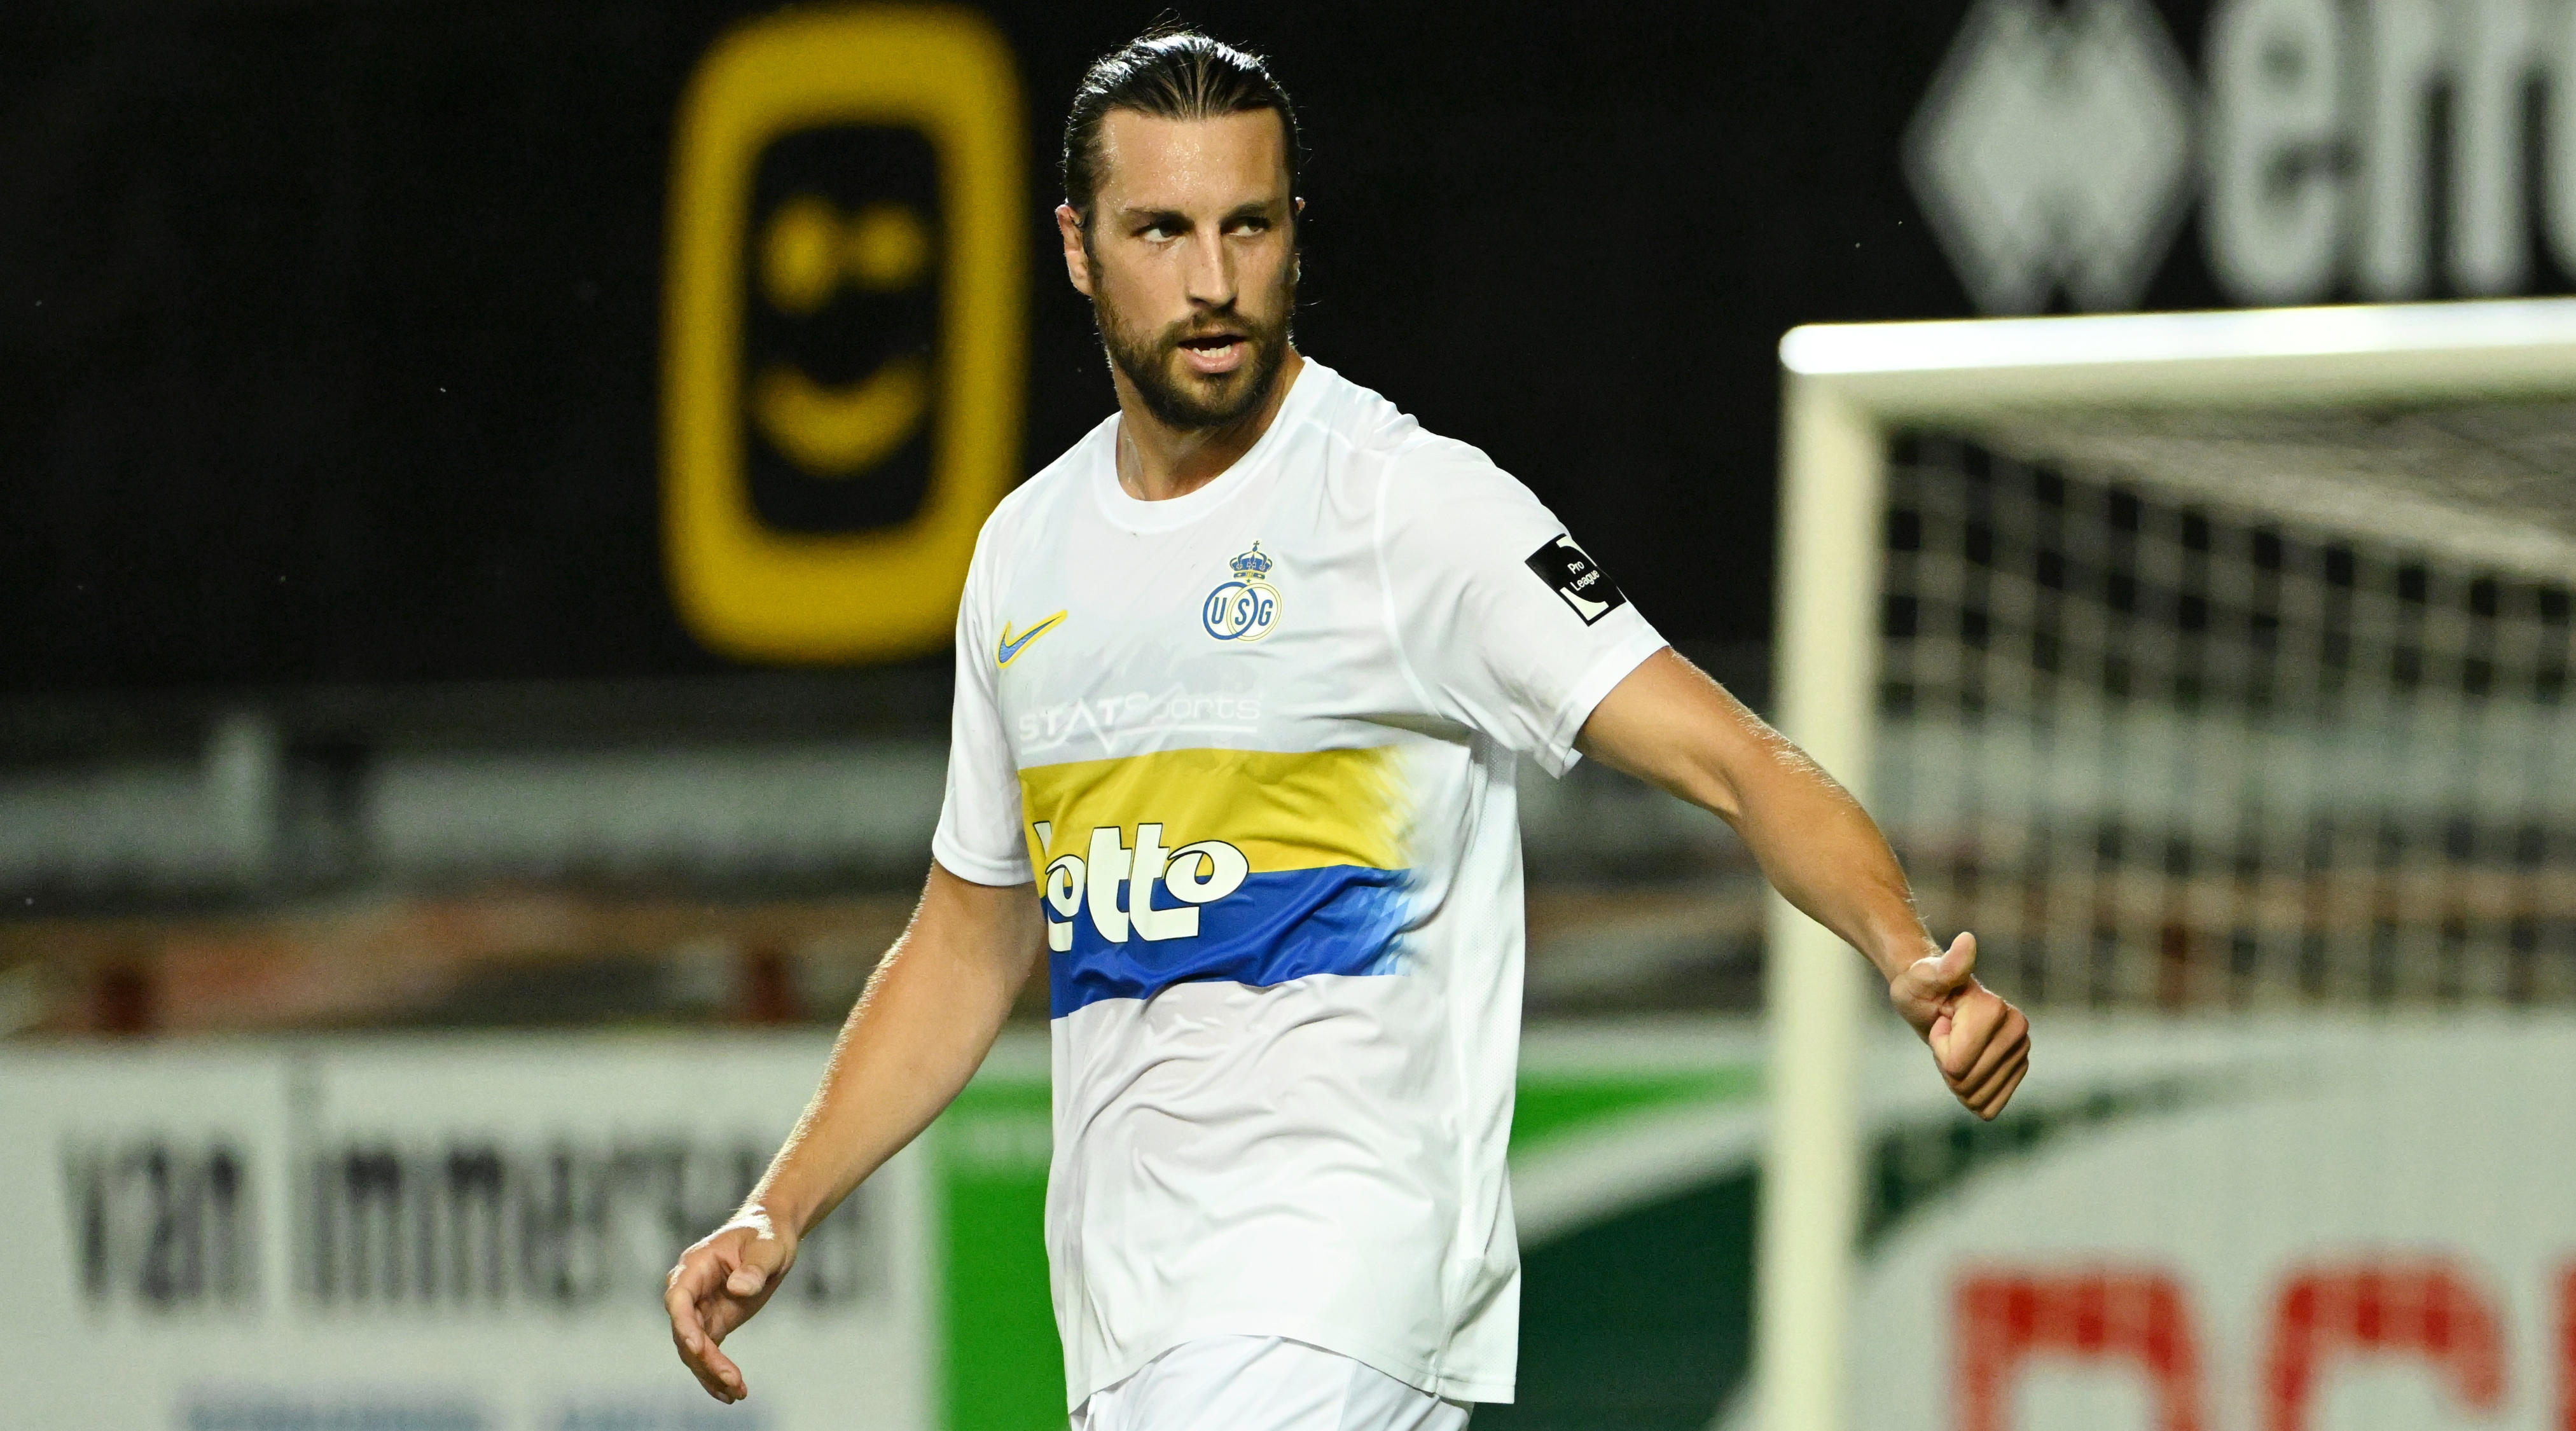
<point>1252,565</point>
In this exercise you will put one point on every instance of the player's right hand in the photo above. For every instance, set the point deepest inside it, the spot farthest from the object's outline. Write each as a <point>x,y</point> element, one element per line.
<point>1981,1043</point>
<point>719,1283</point>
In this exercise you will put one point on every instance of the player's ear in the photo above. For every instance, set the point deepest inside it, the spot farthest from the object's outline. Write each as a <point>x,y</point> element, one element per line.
<point>1077,255</point>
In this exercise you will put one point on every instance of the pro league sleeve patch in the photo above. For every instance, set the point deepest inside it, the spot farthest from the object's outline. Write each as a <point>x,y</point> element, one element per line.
<point>1572,574</point>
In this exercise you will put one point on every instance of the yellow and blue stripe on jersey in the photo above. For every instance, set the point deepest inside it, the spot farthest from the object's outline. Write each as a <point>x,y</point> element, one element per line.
<point>1187,865</point>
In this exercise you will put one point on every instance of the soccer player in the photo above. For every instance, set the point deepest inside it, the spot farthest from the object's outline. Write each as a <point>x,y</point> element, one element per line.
<point>1242,683</point>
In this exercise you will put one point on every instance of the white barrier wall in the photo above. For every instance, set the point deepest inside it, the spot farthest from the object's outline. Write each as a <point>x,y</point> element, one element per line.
<point>2223,1226</point>
<point>2241,1228</point>
<point>448,1235</point>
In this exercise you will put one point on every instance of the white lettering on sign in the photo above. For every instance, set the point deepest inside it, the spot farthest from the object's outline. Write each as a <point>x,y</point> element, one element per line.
<point>2275,215</point>
<point>2054,151</point>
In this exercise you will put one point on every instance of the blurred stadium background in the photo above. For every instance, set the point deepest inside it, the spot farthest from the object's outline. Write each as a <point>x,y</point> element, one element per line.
<point>468,727</point>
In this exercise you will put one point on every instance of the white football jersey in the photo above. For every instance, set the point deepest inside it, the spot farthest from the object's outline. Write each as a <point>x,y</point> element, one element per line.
<point>1255,745</point>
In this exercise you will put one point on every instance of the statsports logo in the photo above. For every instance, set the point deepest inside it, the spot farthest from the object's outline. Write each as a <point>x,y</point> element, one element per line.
<point>1246,607</point>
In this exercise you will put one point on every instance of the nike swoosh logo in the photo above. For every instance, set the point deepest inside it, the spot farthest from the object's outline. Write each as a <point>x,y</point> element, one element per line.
<point>1010,648</point>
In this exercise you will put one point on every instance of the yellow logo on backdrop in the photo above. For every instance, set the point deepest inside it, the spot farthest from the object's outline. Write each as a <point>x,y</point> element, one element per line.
<point>843,329</point>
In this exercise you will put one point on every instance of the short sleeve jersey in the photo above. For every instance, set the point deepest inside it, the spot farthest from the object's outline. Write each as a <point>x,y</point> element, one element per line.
<point>1256,746</point>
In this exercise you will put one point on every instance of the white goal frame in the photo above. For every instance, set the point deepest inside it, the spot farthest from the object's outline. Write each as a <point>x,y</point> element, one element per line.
<point>1844,387</point>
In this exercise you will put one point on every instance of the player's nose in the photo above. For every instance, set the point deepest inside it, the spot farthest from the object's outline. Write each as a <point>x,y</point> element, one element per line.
<point>1209,270</point>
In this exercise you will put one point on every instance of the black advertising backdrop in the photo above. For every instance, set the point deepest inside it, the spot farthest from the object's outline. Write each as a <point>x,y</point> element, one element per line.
<point>330,332</point>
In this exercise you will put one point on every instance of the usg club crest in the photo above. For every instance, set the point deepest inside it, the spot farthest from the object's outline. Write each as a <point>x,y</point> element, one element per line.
<point>1245,608</point>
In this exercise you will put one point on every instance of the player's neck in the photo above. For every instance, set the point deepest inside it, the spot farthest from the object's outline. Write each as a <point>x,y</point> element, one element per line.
<point>1157,462</point>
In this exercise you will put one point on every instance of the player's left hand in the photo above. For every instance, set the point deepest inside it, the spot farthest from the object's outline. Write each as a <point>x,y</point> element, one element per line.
<point>1981,1043</point>
<point>724,1278</point>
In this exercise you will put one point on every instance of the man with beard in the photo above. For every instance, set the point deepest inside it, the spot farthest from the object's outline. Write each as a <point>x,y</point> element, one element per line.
<point>1242,681</point>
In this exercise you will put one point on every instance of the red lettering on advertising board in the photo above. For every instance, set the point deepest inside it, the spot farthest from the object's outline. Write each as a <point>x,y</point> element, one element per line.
<point>2427,1309</point>
<point>2567,1350</point>
<point>2004,1319</point>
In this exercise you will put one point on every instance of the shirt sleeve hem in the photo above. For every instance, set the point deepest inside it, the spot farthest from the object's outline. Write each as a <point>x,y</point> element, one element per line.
<point>1606,672</point>
<point>998,873</point>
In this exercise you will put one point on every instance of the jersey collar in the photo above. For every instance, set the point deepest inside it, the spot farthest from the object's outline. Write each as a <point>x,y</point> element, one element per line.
<point>1136,515</point>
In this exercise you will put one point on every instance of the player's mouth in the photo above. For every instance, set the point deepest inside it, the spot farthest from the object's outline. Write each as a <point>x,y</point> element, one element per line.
<point>1213,353</point>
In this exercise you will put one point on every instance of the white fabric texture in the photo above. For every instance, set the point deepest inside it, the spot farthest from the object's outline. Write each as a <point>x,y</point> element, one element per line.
<point>1264,1384</point>
<point>1258,744</point>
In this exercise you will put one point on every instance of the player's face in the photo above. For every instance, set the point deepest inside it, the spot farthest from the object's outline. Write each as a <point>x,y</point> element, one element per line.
<point>1191,260</point>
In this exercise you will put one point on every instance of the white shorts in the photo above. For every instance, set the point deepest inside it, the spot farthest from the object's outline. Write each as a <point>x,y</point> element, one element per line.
<point>1263,1384</point>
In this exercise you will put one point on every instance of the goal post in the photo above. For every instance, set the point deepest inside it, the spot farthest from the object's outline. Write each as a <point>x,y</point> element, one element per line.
<point>1847,390</point>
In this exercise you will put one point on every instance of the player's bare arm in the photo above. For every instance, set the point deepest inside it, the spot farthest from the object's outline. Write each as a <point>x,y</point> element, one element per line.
<point>1672,726</point>
<point>930,1013</point>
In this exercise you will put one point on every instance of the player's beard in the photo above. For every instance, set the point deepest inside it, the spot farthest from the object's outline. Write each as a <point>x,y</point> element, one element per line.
<point>1191,401</point>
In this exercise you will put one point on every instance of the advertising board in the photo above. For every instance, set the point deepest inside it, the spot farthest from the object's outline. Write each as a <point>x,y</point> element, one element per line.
<point>469,1234</point>
<point>2267,1227</point>
<point>2180,1226</point>
<point>426,1236</point>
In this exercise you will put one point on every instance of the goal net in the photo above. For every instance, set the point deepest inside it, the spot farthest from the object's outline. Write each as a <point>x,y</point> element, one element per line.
<point>2213,670</point>
<point>2185,711</point>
